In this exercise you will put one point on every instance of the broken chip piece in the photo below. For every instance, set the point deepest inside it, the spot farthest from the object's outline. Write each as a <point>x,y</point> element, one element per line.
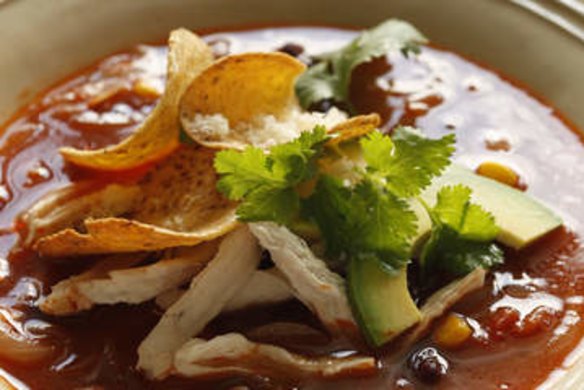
<point>188,55</point>
<point>353,128</point>
<point>179,206</point>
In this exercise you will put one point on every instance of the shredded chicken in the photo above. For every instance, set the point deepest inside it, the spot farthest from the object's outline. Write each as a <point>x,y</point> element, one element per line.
<point>320,289</point>
<point>71,205</point>
<point>209,292</point>
<point>110,281</point>
<point>443,299</point>
<point>167,298</point>
<point>263,288</point>
<point>65,297</point>
<point>233,353</point>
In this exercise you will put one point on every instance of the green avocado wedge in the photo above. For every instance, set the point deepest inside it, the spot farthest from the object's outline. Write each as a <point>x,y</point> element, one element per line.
<point>381,302</point>
<point>521,218</point>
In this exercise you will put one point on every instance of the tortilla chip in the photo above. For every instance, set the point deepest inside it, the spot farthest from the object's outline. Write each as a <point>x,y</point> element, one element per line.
<point>352,128</point>
<point>180,206</point>
<point>188,55</point>
<point>240,88</point>
<point>346,160</point>
<point>181,193</point>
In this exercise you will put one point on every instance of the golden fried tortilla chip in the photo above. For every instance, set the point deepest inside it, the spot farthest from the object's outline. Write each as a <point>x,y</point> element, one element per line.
<point>188,55</point>
<point>239,88</point>
<point>180,206</point>
<point>352,128</point>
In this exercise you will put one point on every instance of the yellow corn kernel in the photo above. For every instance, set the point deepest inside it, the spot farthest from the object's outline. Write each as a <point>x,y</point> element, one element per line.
<point>499,172</point>
<point>452,332</point>
<point>147,89</point>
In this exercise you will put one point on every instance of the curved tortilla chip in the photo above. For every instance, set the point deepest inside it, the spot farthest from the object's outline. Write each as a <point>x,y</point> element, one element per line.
<point>347,161</point>
<point>188,55</point>
<point>117,235</point>
<point>180,206</point>
<point>353,128</point>
<point>240,88</point>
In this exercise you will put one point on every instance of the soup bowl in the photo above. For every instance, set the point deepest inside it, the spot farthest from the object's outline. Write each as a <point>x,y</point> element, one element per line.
<point>542,48</point>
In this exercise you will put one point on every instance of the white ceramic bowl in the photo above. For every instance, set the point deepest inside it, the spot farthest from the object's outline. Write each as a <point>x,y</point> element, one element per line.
<point>42,41</point>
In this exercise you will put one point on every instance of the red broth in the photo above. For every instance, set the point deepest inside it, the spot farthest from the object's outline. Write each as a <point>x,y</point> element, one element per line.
<point>526,319</point>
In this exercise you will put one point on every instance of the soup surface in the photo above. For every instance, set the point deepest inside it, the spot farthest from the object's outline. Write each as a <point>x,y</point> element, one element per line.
<point>525,320</point>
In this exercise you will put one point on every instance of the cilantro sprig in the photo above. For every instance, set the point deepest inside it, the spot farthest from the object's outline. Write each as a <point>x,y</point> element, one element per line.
<point>462,235</point>
<point>408,161</point>
<point>365,221</point>
<point>370,218</point>
<point>266,183</point>
<point>331,76</point>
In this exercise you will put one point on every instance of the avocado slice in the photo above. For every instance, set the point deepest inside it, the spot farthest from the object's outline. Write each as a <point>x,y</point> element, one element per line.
<point>381,302</point>
<point>521,218</point>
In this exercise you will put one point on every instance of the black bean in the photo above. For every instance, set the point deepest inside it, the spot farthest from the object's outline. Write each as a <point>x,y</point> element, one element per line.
<point>266,260</point>
<point>326,104</point>
<point>293,49</point>
<point>428,365</point>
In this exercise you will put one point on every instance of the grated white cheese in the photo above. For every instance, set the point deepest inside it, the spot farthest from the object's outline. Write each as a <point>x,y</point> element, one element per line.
<point>215,125</point>
<point>267,130</point>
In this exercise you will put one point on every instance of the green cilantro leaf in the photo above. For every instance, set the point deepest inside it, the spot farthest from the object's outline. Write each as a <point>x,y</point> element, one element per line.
<point>370,218</point>
<point>319,83</point>
<point>294,160</point>
<point>265,182</point>
<point>362,222</point>
<point>330,79</point>
<point>408,161</point>
<point>387,225</point>
<point>330,207</point>
<point>268,204</point>
<point>243,172</point>
<point>454,209</point>
<point>462,235</point>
